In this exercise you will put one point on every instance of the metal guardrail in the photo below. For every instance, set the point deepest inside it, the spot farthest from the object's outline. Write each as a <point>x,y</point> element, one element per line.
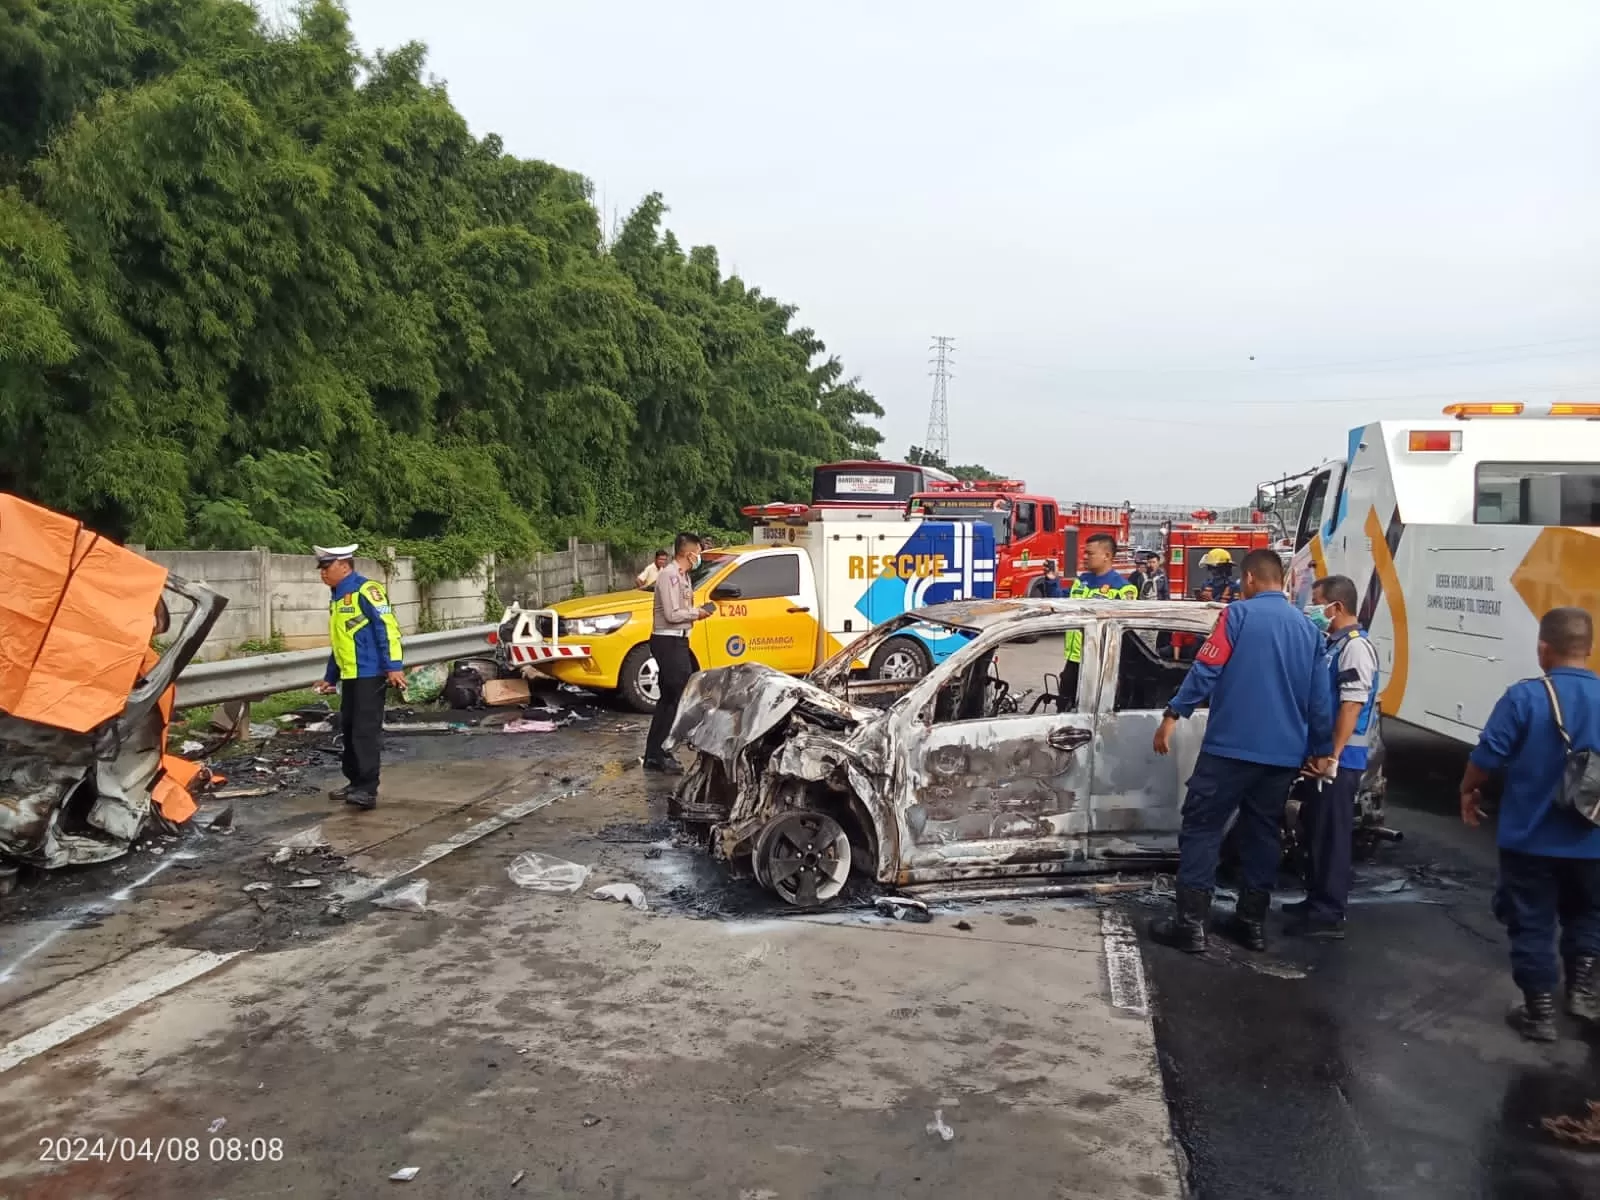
<point>267,674</point>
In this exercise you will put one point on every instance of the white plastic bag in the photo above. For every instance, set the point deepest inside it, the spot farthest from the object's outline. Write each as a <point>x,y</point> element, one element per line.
<point>542,873</point>
<point>627,893</point>
<point>411,898</point>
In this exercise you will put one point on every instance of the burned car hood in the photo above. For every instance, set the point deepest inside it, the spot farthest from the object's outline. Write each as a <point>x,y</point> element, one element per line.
<point>725,709</point>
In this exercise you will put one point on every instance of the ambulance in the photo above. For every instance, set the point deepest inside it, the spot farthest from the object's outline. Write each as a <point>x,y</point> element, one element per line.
<point>814,579</point>
<point>1459,534</point>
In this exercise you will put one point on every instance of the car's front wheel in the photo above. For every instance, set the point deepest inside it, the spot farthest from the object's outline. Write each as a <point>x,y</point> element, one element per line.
<point>639,681</point>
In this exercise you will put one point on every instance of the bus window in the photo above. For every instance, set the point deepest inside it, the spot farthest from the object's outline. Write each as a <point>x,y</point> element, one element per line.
<point>1538,494</point>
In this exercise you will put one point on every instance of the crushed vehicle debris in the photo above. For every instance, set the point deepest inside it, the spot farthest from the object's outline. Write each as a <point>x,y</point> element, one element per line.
<point>85,699</point>
<point>946,781</point>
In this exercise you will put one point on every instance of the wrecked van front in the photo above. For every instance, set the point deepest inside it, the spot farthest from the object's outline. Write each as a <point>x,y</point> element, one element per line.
<point>84,698</point>
<point>952,779</point>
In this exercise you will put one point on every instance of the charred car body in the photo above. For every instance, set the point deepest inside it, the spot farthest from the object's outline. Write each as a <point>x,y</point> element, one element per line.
<point>85,699</point>
<point>947,781</point>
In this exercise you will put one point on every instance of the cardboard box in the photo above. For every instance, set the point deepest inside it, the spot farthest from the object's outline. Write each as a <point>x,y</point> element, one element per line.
<point>505,691</point>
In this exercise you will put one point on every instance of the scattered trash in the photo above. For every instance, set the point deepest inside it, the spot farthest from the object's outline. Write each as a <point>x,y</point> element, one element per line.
<point>529,727</point>
<point>423,727</point>
<point>545,874</point>
<point>214,780</point>
<point>243,793</point>
<point>306,883</point>
<point>628,893</point>
<point>463,688</point>
<point>590,1120</point>
<point>517,1178</point>
<point>413,897</point>
<point>1392,886</point>
<point>965,927</point>
<point>938,1128</point>
<point>320,727</point>
<point>524,1050</point>
<point>262,733</point>
<point>653,852</point>
<point>261,886</point>
<point>903,909</point>
<point>216,1126</point>
<point>405,1174</point>
<point>423,684</point>
<point>506,691</point>
<point>757,1194</point>
<point>1584,1131</point>
<point>307,841</point>
<point>191,747</point>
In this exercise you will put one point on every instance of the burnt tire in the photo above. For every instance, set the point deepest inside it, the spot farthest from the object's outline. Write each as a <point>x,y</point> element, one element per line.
<point>900,658</point>
<point>638,682</point>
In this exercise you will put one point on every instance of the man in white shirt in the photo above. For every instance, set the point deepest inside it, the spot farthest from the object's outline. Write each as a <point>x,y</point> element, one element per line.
<point>652,571</point>
<point>673,617</point>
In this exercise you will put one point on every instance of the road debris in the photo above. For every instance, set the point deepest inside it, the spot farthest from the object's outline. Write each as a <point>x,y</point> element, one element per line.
<point>216,1126</point>
<point>523,726</point>
<point>517,1178</point>
<point>191,747</point>
<point>590,1120</point>
<point>243,793</point>
<point>405,1174</point>
<point>413,897</point>
<point>627,893</point>
<point>1584,1131</point>
<point>497,692</point>
<point>259,886</point>
<point>300,884</point>
<point>903,909</point>
<point>541,873</point>
<point>964,926</point>
<point>307,841</point>
<point>939,1129</point>
<point>425,683</point>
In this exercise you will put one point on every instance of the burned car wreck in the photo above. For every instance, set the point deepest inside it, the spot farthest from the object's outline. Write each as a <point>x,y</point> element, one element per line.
<point>85,697</point>
<point>952,782</point>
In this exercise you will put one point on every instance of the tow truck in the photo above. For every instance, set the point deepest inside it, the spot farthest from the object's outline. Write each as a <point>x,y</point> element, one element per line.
<point>813,579</point>
<point>1459,534</point>
<point>1029,529</point>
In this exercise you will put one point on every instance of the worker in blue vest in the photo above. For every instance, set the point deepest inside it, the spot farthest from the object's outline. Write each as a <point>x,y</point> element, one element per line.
<point>1100,580</point>
<point>1328,802</point>
<point>1261,671</point>
<point>1541,734</point>
<point>364,660</point>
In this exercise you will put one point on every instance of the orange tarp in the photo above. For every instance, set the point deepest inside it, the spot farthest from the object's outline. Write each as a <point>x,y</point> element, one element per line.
<point>76,616</point>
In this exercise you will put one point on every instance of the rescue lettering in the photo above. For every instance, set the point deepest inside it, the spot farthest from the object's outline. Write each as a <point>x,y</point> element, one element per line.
<point>896,566</point>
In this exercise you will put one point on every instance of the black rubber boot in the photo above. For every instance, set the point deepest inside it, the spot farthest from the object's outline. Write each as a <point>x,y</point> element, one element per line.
<point>1535,1017</point>
<point>1248,924</point>
<point>1583,988</point>
<point>1187,930</point>
<point>338,795</point>
<point>366,801</point>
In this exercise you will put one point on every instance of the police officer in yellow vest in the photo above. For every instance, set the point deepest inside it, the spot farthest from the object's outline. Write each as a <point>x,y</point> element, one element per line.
<point>366,658</point>
<point>1098,579</point>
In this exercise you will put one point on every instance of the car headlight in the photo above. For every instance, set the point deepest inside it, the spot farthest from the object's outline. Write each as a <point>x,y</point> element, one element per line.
<point>595,626</point>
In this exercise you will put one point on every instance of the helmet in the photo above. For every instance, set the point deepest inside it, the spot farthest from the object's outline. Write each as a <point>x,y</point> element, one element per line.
<point>1217,558</point>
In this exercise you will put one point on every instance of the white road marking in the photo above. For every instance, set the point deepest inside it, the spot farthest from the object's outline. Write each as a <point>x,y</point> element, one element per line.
<point>362,889</point>
<point>116,897</point>
<point>88,1017</point>
<point>1124,967</point>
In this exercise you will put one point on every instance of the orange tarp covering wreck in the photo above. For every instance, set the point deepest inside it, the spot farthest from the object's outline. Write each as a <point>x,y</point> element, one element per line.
<point>76,616</point>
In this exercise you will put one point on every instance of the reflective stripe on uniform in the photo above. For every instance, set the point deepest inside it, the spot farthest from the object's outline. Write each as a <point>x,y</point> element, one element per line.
<point>1081,591</point>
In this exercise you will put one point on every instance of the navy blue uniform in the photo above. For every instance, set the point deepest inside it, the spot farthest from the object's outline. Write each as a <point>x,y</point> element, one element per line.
<point>1270,709</point>
<point>1549,857</point>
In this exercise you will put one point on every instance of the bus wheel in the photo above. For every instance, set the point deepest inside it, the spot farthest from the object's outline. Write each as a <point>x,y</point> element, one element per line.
<point>638,682</point>
<point>901,658</point>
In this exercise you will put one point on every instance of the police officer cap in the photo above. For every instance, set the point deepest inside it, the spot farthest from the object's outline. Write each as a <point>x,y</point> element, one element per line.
<point>332,554</point>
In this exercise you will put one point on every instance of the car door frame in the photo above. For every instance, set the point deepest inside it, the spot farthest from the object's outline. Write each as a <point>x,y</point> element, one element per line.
<point>712,639</point>
<point>915,744</point>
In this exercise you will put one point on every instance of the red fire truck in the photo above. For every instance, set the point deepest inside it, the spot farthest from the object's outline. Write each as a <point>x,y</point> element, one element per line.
<point>1187,542</point>
<point>1028,529</point>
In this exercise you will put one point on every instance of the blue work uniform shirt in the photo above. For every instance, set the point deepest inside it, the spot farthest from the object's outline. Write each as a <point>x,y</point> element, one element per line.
<point>372,643</point>
<point>1521,740</point>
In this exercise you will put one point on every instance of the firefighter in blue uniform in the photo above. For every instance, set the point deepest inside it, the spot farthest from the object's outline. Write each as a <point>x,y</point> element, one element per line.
<point>1220,584</point>
<point>1328,803</point>
<point>365,658</point>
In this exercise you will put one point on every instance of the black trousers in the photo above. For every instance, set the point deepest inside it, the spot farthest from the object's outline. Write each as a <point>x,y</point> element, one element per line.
<point>1328,819</point>
<point>361,722</point>
<point>1547,904</point>
<point>674,665</point>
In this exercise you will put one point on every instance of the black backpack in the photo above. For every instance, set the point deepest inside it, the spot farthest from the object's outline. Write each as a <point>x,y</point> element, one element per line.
<point>1580,780</point>
<point>463,688</point>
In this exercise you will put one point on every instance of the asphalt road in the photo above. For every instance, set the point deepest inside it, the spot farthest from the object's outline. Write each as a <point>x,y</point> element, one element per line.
<point>1380,1066</point>
<point>721,1045</point>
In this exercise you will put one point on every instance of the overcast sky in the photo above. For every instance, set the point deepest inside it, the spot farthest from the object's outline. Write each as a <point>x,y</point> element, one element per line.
<point>1111,206</point>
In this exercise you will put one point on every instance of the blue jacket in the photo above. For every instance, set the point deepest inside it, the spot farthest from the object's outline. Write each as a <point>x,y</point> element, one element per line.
<point>1262,671</point>
<point>372,642</point>
<point>1521,740</point>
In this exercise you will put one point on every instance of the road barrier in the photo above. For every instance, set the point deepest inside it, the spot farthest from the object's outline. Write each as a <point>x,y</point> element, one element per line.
<point>267,674</point>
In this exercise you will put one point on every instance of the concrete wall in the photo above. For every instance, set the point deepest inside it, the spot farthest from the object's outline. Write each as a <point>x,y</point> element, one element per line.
<point>282,594</point>
<point>589,568</point>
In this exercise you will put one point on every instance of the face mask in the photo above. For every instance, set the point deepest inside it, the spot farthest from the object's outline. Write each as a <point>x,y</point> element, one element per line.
<point>694,562</point>
<point>1318,614</point>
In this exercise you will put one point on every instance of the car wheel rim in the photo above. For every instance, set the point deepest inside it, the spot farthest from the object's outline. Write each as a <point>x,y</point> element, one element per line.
<point>901,664</point>
<point>804,857</point>
<point>650,681</point>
